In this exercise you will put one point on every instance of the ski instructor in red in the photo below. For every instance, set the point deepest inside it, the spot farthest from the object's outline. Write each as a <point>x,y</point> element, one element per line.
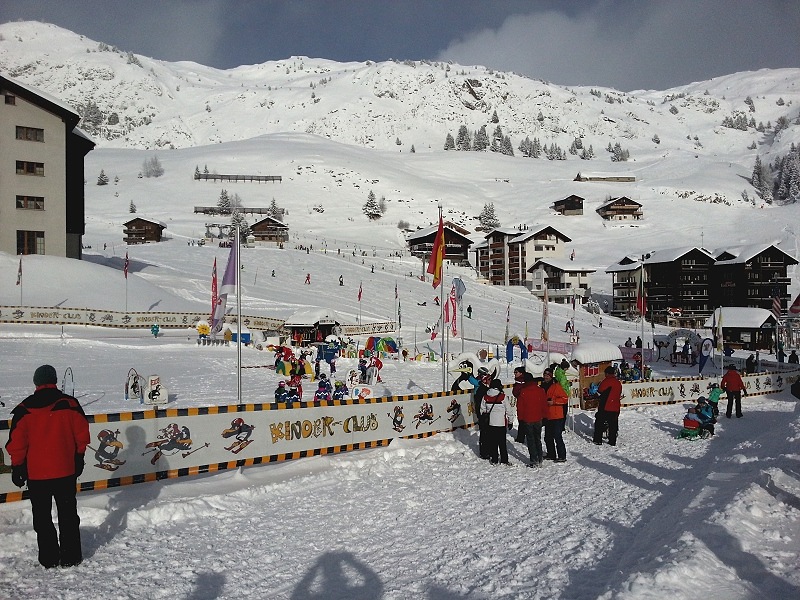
<point>47,440</point>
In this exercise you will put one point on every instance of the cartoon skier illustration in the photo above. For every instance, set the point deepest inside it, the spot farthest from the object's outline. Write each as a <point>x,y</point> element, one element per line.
<point>242,432</point>
<point>108,450</point>
<point>172,439</point>
<point>397,419</point>
<point>425,414</point>
<point>454,409</point>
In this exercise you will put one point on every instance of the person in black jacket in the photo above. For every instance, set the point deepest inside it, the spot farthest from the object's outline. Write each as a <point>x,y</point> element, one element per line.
<point>47,441</point>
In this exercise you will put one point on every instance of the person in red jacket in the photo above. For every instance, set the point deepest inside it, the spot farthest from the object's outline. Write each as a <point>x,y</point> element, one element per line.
<point>607,416</point>
<point>733,386</point>
<point>47,440</point>
<point>531,410</point>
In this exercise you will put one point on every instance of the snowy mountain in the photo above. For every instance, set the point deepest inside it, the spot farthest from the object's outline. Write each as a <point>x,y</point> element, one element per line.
<point>335,132</point>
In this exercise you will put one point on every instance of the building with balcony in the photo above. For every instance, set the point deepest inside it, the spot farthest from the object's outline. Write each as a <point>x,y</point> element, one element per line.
<point>569,206</point>
<point>270,230</point>
<point>620,209</point>
<point>141,231</point>
<point>508,252</point>
<point>420,242</point>
<point>563,278</point>
<point>41,169</point>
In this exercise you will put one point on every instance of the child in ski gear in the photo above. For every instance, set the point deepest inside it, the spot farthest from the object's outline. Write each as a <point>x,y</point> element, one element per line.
<point>325,382</point>
<point>280,392</point>
<point>705,414</point>
<point>46,444</point>
<point>340,391</point>
<point>296,382</point>
<point>690,420</point>
<point>713,397</point>
<point>494,405</point>
<point>322,393</point>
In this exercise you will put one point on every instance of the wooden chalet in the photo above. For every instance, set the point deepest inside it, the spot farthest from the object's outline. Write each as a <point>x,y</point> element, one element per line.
<point>614,177</point>
<point>142,231</point>
<point>270,229</point>
<point>571,205</point>
<point>620,209</point>
<point>420,242</point>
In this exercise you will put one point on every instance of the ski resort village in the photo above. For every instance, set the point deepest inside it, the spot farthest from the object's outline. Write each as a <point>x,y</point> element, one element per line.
<point>394,329</point>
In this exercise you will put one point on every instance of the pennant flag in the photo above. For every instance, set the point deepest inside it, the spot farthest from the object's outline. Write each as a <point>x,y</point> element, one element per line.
<point>641,302</point>
<point>705,352</point>
<point>19,273</point>
<point>395,290</point>
<point>460,289</point>
<point>125,266</point>
<point>720,339</point>
<point>574,296</point>
<point>545,326</point>
<point>437,255</point>
<point>451,305</point>
<point>794,309</point>
<point>213,288</point>
<point>776,306</point>
<point>359,292</point>
<point>228,287</point>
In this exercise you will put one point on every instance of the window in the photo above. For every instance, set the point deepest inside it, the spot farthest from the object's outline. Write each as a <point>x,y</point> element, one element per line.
<point>31,134</point>
<point>25,167</point>
<point>30,202</point>
<point>11,99</point>
<point>30,242</point>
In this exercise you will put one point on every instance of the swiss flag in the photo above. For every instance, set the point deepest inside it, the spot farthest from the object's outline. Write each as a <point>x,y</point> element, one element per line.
<point>794,309</point>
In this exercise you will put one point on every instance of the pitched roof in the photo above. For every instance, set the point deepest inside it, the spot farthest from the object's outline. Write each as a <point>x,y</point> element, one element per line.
<point>308,317</point>
<point>743,317</point>
<point>742,254</point>
<point>668,255</point>
<point>563,264</point>
<point>595,352</point>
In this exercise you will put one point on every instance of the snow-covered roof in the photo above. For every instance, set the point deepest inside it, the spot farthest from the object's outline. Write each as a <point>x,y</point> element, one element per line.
<point>43,95</point>
<point>532,231</point>
<point>614,200</point>
<point>426,231</point>
<point>604,175</point>
<point>740,317</point>
<point>595,352</point>
<point>308,317</point>
<point>667,255</point>
<point>564,264</point>
<point>744,253</point>
<point>135,216</point>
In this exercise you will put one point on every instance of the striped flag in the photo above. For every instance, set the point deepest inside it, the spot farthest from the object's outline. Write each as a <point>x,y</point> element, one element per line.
<point>545,324</point>
<point>125,266</point>
<point>395,290</point>
<point>214,288</point>
<point>19,273</point>
<point>776,306</point>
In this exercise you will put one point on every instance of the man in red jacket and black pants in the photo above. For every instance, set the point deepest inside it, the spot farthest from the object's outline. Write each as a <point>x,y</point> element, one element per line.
<point>47,440</point>
<point>610,390</point>
<point>733,386</point>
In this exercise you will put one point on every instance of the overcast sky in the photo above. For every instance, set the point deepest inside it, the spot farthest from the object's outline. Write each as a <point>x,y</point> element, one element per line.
<point>625,44</point>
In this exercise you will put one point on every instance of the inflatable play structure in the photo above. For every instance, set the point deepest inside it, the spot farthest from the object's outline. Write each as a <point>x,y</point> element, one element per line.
<point>381,344</point>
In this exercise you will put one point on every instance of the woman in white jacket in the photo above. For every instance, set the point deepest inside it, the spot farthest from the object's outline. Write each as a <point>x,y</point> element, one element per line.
<point>495,405</point>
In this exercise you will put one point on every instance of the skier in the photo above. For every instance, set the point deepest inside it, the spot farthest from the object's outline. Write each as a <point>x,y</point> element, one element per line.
<point>341,280</point>
<point>273,272</point>
<point>469,311</point>
<point>308,279</point>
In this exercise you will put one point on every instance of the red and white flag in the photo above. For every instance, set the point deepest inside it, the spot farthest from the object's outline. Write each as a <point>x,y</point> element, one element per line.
<point>794,309</point>
<point>359,292</point>
<point>776,307</point>
<point>214,288</point>
<point>19,273</point>
<point>450,317</point>
<point>125,266</point>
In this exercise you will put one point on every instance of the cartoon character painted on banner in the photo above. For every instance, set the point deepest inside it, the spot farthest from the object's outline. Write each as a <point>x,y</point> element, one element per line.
<point>682,390</point>
<point>172,439</point>
<point>108,450</point>
<point>397,419</point>
<point>695,390</point>
<point>454,409</point>
<point>425,414</point>
<point>242,432</point>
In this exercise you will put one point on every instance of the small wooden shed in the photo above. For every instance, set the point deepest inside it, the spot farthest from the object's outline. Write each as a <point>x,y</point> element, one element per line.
<point>591,360</point>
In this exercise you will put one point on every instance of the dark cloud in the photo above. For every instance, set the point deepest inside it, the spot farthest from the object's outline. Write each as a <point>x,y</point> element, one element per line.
<point>625,44</point>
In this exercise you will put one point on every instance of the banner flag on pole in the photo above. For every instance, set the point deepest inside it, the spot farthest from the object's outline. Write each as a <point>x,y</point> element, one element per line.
<point>399,316</point>
<point>228,286</point>
<point>437,255</point>
<point>19,273</point>
<point>214,288</point>
<point>359,292</point>
<point>776,306</point>
<point>641,302</point>
<point>545,328</point>
<point>450,311</point>
<point>460,289</point>
<point>395,291</point>
<point>125,266</point>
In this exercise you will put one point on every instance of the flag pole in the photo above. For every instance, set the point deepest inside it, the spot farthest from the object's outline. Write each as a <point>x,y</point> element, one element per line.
<point>238,321</point>
<point>443,252</point>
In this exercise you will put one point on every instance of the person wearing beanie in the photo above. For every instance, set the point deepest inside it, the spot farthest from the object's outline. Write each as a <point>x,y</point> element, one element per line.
<point>495,407</point>
<point>607,416</point>
<point>46,443</point>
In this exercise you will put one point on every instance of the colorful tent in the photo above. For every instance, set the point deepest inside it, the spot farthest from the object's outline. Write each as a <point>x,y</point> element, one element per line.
<point>379,344</point>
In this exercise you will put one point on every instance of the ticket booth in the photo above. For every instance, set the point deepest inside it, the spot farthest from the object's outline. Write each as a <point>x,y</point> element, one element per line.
<point>591,360</point>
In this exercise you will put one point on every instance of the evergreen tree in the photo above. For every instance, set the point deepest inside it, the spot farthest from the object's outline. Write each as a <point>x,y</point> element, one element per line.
<point>132,207</point>
<point>449,142</point>
<point>224,203</point>
<point>495,118</point>
<point>371,208</point>
<point>102,179</point>
<point>196,172</point>
<point>413,151</point>
<point>506,147</point>
<point>152,167</point>
<point>273,210</point>
<point>205,170</point>
<point>755,178</point>
<point>481,142</point>
<point>238,220</point>
<point>463,139</point>
<point>488,219</point>
<point>497,134</point>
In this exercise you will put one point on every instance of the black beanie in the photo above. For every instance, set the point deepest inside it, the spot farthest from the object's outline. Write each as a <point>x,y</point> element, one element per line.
<point>44,375</point>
